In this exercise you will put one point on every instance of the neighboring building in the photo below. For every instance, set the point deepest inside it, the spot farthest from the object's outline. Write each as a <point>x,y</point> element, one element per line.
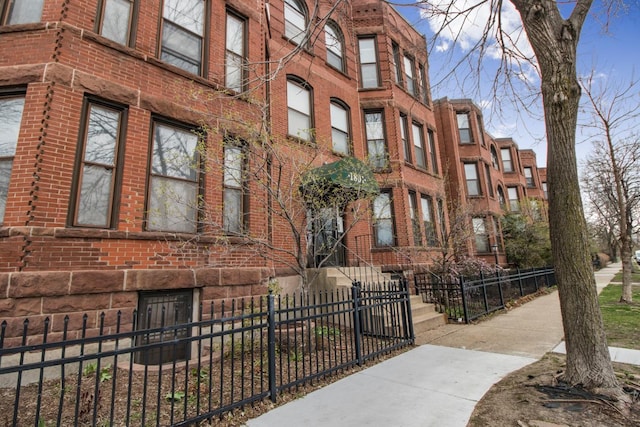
<point>488,176</point>
<point>134,136</point>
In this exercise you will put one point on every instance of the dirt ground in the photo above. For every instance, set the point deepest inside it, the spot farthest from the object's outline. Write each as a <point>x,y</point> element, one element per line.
<point>533,397</point>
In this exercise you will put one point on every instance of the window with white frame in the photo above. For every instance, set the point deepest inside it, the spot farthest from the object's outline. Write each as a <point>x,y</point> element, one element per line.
<point>11,108</point>
<point>235,52</point>
<point>339,127</point>
<point>433,156</point>
<point>544,189</point>
<point>418,144</point>
<point>464,128</point>
<point>376,144</point>
<point>528,176</point>
<point>116,17</point>
<point>21,11</point>
<point>295,20</point>
<point>481,235</point>
<point>514,203</point>
<point>100,165</point>
<point>368,62</point>
<point>183,24</point>
<point>334,42</point>
<point>174,179</point>
<point>409,76</point>
<point>507,164</point>
<point>471,175</point>
<point>383,220</point>
<point>234,206</point>
<point>428,221</point>
<point>300,122</point>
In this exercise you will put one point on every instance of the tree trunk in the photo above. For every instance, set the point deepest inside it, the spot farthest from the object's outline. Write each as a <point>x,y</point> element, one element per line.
<point>554,41</point>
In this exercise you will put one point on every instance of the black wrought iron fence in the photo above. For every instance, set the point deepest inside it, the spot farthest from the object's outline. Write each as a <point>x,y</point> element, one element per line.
<point>234,355</point>
<point>470,298</point>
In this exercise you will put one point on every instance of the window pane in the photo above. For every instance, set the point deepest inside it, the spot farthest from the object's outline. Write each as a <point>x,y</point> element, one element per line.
<point>482,239</point>
<point>299,125</point>
<point>233,210</point>
<point>188,14</point>
<point>102,135</point>
<point>181,48</point>
<point>339,118</point>
<point>235,34</point>
<point>298,98</point>
<point>5,175</point>
<point>25,11</point>
<point>367,50</point>
<point>95,196</point>
<point>233,72</point>
<point>116,20</point>
<point>233,167</point>
<point>172,205</point>
<point>174,153</point>
<point>373,125</point>
<point>11,114</point>
<point>295,21</point>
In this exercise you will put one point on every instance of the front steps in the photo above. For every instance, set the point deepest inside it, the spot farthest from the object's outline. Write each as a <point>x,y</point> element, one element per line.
<point>425,317</point>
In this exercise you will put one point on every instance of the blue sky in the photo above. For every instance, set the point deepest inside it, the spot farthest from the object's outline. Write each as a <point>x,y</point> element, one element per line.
<point>613,56</point>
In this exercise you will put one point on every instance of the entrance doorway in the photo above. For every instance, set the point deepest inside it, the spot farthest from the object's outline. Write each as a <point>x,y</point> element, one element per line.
<point>326,234</point>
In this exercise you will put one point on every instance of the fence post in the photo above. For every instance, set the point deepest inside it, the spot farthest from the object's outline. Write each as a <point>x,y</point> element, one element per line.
<point>271,345</point>
<point>464,301</point>
<point>355,295</point>
<point>520,282</point>
<point>502,302</point>
<point>484,293</point>
<point>406,311</point>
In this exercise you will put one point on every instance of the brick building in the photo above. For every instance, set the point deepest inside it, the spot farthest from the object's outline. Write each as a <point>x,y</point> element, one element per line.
<point>487,176</point>
<point>141,142</point>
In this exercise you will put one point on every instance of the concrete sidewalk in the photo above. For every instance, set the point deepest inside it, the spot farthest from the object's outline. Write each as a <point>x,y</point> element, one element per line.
<point>439,382</point>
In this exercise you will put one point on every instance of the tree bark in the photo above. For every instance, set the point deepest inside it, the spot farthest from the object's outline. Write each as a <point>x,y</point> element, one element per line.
<point>554,41</point>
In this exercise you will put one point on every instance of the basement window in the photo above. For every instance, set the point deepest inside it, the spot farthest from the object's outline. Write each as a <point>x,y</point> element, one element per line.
<point>160,315</point>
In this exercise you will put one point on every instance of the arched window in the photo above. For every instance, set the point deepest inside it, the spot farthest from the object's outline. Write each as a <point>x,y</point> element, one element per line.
<point>335,45</point>
<point>295,20</point>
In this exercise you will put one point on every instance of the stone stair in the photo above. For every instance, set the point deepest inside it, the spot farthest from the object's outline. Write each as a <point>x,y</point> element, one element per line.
<point>424,316</point>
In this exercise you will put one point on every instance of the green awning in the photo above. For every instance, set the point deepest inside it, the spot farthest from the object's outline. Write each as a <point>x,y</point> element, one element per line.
<point>345,180</point>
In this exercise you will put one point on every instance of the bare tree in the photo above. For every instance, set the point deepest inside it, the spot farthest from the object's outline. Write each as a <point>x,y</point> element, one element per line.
<point>612,181</point>
<point>552,40</point>
<point>615,110</point>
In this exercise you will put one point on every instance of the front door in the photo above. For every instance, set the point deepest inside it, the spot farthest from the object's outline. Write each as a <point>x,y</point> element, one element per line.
<point>325,237</point>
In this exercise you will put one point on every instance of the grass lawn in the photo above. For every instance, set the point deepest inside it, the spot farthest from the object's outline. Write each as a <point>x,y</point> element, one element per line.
<point>635,276</point>
<point>621,321</point>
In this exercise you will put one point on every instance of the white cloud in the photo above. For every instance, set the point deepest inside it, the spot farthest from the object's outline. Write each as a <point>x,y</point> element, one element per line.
<point>469,21</point>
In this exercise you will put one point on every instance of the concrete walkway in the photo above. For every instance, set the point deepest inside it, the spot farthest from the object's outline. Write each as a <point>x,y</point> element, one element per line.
<point>440,381</point>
